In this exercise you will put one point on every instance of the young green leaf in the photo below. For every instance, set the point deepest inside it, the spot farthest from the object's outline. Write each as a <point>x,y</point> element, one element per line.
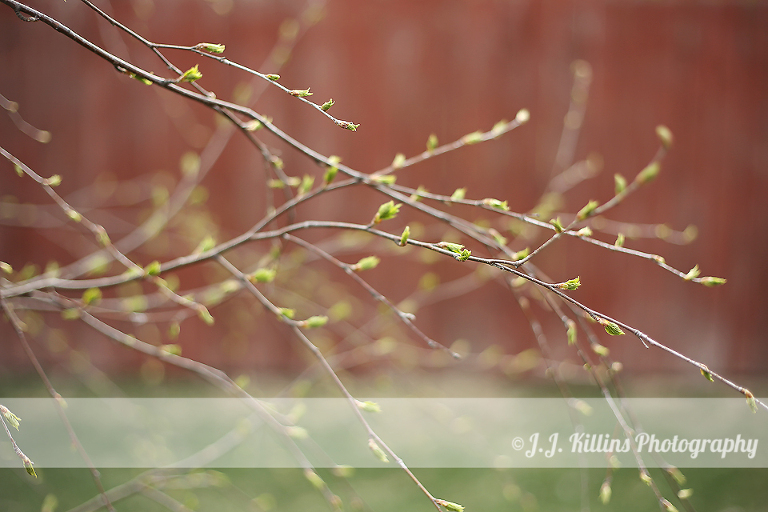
<point>571,284</point>
<point>301,93</point>
<point>557,225</point>
<point>588,210</point>
<point>327,105</point>
<point>495,203</point>
<point>386,211</point>
<point>693,273</point>
<point>211,47</point>
<point>191,75</point>
<point>610,327</point>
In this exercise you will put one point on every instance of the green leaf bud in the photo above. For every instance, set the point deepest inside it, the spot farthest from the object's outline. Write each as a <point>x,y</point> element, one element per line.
<point>301,93</point>
<point>431,142</point>
<point>668,506</point>
<point>377,451</point>
<point>102,237</point>
<point>386,179</point>
<point>206,244</point>
<point>557,225</point>
<point>204,314</point>
<point>10,417</point>
<point>497,237</point>
<point>253,125</point>
<point>367,263</point>
<point>571,284</point>
<point>451,506</point>
<point>495,203</point>
<point>472,138</point>
<point>571,332</point>
<point>347,125</point>
<point>416,196</point>
<point>91,296</point>
<point>404,237</point>
<point>288,313</point>
<point>386,211</point>
<point>600,350</point>
<point>152,269</point>
<point>665,136</point>
<point>5,267</point>
<point>585,231</point>
<point>499,127</point>
<point>53,181</point>
<point>619,240</point>
<point>705,372</point>
<point>274,77</point>
<point>368,406</point>
<point>694,272</point>
<point>676,474</point>
<point>314,479</point>
<point>751,402</point>
<point>173,349</point>
<point>620,183</point>
<point>262,275</point>
<point>75,216</point>
<point>610,327</point>
<point>712,281</point>
<point>684,494</point>
<point>327,105</point>
<point>211,47</point>
<point>306,184</point>
<point>30,469</point>
<point>398,162</point>
<point>458,194</point>
<point>70,314</point>
<point>314,322</point>
<point>588,210</point>
<point>191,75</point>
<point>330,175</point>
<point>605,492</point>
<point>649,173</point>
<point>519,255</point>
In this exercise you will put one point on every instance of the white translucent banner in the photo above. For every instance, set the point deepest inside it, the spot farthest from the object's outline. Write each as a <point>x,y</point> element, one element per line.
<point>424,432</point>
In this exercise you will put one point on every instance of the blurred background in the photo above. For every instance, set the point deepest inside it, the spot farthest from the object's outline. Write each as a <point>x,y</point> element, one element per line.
<point>404,70</point>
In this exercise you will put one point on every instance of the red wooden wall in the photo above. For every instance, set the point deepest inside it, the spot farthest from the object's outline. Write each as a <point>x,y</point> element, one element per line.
<point>403,70</point>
